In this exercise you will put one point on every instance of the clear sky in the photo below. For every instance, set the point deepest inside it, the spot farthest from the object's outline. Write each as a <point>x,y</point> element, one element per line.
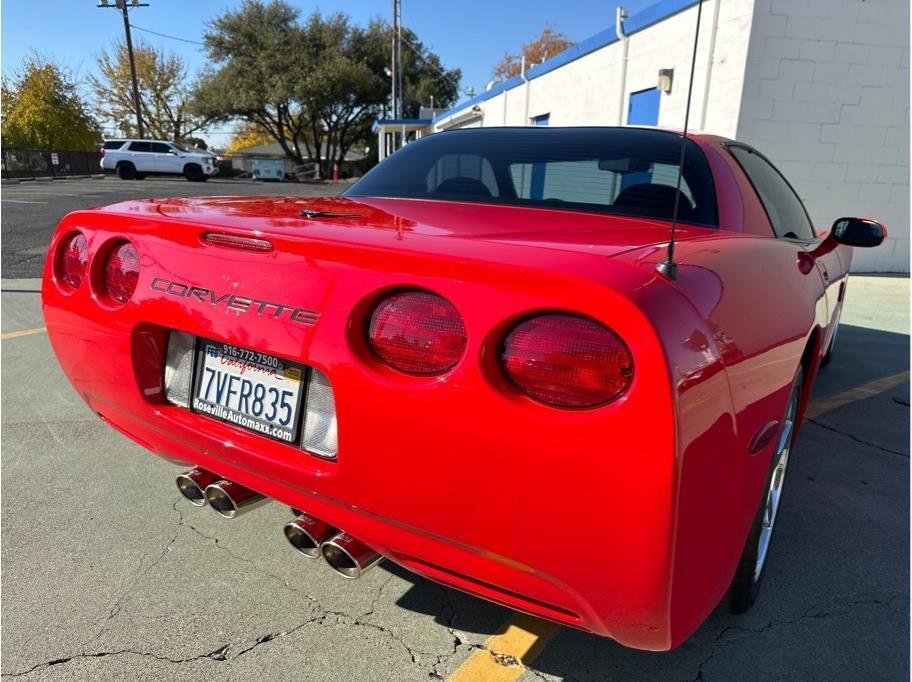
<point>469,34</point>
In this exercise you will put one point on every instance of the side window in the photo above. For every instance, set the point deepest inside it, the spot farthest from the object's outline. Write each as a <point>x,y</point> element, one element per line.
<point>140,147</point>
<point>785,210</point>
<point>462,174</point>
<point>113,144</point>
<point>160,148</point>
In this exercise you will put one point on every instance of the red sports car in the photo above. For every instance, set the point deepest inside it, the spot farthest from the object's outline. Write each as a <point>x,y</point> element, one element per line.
<point>474,364</point>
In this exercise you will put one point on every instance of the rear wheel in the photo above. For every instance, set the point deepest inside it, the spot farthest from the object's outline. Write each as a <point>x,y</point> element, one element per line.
<point>746,584</point>
<point>126,170</point>
<point>194,173</point>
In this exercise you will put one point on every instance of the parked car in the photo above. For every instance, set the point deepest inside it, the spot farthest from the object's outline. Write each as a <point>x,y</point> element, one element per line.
<point>135,159</point>
<point>478,364</point>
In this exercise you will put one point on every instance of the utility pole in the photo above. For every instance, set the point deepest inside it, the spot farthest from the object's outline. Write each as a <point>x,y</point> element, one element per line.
<point>397,59</point>
<point>122,6</point>
<point>399,91</point>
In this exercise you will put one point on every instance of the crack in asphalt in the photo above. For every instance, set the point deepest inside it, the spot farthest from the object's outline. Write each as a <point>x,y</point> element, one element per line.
<point>856,438</point>
<point>127,593</point>
<point>321,618</point>
<point>813,613</point>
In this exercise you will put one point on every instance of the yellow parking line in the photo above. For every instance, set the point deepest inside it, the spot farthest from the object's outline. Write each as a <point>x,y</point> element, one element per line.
<point>868,390</point>
<point>23,332</point>
<point>504,657</point>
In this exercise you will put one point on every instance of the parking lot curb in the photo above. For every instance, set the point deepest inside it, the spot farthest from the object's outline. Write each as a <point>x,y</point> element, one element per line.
<point>10,181</point>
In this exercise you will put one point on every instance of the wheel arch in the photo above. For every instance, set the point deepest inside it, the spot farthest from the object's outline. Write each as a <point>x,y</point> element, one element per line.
<point>810,364</point>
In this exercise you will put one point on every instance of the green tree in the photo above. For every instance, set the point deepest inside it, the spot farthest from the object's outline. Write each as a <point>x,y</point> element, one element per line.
<point>42,109</point>
<point>164,92</point>
<point>314,87</point>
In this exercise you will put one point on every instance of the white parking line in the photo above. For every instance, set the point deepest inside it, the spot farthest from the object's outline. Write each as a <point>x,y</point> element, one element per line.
<point>23,201</point>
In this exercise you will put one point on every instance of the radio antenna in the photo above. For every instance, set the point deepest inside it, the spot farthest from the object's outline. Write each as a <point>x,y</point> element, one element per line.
<point>668,267</point>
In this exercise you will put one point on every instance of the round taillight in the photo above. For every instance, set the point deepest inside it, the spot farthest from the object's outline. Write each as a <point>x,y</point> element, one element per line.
<point>121,272</point>
<point>74,258</point>
<point>566,360</point>
<point>417,332</point>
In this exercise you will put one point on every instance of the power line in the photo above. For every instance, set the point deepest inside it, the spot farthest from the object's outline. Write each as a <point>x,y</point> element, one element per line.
<point>430,63</point>
<point>165,35</point>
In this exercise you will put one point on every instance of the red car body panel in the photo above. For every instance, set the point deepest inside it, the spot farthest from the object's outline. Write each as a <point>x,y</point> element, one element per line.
<point>626,520</point>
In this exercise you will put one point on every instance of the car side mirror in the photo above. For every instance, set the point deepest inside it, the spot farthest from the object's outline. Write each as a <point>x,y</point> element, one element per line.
<point>858,232</point>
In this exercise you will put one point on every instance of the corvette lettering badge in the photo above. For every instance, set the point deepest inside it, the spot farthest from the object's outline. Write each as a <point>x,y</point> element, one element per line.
<point>242,304</point>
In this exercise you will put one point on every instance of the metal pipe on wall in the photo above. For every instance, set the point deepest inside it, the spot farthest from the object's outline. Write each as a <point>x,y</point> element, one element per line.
<point>619,29</point>
<point>522,73</point>
<point>709,62</point>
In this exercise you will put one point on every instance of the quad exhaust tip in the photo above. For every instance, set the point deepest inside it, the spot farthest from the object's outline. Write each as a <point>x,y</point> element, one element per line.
<point>306,534</point>
<point>229,499</point>
<point>348,556</point>
<point>192,485</point>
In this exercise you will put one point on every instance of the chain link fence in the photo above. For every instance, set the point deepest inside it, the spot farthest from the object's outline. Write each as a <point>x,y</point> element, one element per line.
<point>30,163</point>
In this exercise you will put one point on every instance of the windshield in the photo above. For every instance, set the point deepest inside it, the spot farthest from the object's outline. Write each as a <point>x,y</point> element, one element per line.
<point>178,147</point>
<point>623,171</point>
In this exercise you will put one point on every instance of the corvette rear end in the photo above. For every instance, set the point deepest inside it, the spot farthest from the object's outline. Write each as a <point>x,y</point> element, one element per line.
<point>478,374</point>
<point>448,467</point>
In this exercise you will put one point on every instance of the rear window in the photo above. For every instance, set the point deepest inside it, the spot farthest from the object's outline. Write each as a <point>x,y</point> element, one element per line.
<point>624,171</point>
<point>113,144</point>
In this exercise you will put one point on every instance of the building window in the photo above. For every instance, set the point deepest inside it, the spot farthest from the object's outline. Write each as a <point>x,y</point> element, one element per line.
<point>541,120</point>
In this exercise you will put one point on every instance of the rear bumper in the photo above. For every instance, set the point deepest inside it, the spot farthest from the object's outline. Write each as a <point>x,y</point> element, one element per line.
<point>567,515</point>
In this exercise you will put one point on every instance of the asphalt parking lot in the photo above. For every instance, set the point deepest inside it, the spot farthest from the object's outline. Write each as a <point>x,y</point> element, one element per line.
<point>32,209</point>
<point>107,573</point>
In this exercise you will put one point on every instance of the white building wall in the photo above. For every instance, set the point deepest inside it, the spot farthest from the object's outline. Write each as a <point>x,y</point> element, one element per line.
<point>826,98</point>
<point>586,91</point>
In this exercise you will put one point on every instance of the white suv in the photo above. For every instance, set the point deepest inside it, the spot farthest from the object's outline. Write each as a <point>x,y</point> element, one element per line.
<point>134,159</point>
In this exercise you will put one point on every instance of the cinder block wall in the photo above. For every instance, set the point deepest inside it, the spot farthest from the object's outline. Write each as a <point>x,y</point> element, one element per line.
<point>826,97</point>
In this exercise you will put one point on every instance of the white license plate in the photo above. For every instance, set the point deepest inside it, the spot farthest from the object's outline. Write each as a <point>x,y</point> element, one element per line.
<point>257,391</point>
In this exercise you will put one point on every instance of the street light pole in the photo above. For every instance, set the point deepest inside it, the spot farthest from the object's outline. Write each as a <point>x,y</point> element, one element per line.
<point>122,6</point>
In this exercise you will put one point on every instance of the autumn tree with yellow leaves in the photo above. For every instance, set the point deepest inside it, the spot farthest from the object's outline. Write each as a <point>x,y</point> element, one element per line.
<point>42,109</point>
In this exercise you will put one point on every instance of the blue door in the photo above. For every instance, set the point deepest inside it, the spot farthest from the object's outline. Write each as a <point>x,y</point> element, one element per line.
<point>644,108</point>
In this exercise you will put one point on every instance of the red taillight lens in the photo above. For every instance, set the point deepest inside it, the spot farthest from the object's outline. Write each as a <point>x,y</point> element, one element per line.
<point>567,360</point>
<point>121,272</point>
<point>73,260</point>
<point>417,332</point>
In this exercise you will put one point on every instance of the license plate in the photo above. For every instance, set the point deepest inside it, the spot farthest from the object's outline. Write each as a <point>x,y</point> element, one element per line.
<point>257,391</point>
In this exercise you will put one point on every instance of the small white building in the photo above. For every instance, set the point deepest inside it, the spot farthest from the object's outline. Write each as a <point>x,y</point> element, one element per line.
<point>819,86</point>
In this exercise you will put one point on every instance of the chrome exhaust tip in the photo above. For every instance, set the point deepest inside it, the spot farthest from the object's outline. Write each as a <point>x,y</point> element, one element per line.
<point>192,485</point>
<point>306,534</point>
<point>349,557</point>
<point>229,499</point>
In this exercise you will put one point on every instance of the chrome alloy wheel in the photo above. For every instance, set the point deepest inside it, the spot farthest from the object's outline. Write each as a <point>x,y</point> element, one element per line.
<point>774,494</point>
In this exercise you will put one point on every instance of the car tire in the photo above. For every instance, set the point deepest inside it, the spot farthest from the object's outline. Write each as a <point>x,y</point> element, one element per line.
<point>194,173</point>
<point>126,170</point>
<point>748,577</point>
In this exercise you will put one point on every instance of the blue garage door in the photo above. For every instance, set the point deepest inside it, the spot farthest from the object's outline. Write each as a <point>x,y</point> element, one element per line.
<point>644,108</point>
